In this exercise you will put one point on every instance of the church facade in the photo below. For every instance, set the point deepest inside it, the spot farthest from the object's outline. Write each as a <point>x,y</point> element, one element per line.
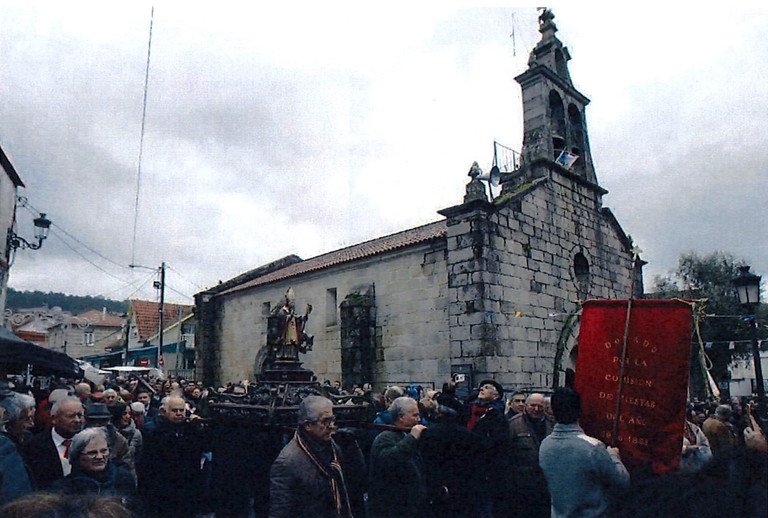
<point>490,290</point>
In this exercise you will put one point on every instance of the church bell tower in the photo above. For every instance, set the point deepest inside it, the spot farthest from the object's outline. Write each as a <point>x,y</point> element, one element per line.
<point>554,124</point>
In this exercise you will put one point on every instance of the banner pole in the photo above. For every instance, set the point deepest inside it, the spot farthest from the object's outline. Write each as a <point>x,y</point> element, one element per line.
<point>615,431</point>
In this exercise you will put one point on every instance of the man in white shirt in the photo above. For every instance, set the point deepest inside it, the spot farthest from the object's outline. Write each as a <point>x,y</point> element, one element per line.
<point>46,453</point>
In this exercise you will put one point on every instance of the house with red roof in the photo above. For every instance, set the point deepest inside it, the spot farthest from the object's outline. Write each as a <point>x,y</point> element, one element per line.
<point>491,289</point>
<point>144,332</point>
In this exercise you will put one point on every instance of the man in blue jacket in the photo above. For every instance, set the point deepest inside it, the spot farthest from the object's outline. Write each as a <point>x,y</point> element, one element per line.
<point>579,469</point>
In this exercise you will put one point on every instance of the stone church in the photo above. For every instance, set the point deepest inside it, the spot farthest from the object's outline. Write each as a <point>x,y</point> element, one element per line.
<point>490,290</point>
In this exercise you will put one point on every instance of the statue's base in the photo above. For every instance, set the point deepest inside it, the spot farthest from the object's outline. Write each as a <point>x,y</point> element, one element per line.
<point>287,371</point>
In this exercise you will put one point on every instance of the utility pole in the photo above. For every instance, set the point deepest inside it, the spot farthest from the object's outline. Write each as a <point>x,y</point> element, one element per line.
<point>160,285</point>
<point>162,303</point>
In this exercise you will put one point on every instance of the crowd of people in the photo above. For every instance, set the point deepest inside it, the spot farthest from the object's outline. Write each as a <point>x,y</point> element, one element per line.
<point>139,447</point>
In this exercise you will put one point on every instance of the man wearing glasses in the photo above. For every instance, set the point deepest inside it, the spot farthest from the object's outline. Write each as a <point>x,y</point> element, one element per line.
<point>318,473</point>
<point>47,453</point>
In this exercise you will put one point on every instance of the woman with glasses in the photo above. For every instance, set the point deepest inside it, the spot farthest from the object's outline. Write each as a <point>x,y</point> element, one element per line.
<point>93,472</point>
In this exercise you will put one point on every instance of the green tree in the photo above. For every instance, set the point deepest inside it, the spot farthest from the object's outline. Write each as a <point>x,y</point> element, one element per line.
<point>708,278</point>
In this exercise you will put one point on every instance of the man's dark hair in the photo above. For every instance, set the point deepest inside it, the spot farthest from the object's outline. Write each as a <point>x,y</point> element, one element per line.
<point>566,405</point>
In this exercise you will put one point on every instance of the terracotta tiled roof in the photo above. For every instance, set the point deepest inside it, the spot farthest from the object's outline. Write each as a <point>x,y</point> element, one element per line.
<point>98,318</point>
<point>370,248</point>
<point>146,315</point>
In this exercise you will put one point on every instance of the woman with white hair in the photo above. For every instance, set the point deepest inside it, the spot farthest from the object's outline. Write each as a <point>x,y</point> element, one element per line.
<point>93,472</point>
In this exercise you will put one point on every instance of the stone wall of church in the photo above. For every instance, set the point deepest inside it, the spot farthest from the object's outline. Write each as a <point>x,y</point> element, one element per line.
<point>512,282</point>
<point>411,318</point>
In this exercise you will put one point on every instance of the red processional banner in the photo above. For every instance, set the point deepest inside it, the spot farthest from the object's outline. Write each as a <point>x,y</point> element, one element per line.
<point>651,393</point>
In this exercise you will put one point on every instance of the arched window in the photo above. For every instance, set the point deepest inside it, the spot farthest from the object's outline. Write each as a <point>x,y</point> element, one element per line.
<point>581,274</point>
<point>576,135</point>
<point>557,114</point>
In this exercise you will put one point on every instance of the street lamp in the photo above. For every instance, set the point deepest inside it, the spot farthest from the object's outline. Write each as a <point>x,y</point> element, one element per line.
<point>42,225</point>
<point>748,289</point>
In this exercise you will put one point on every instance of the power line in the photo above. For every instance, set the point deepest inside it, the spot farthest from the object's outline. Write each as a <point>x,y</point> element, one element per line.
<point>142,281</point>
<point>88,260</point>
<point>34,210</point>
<point>178,292</point>
<point>185,279</point>
<point>140,286</point>
<point>141,138</point>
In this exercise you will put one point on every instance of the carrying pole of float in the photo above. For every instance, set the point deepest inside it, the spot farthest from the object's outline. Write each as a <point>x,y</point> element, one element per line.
<point>623,358</point>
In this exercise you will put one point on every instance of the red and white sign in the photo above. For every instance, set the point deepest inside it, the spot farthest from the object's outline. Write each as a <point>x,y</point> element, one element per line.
<point>144,362</point>
<point>653,387</point>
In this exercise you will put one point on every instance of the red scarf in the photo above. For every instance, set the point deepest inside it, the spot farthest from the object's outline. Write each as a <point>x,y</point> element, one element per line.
<point>477,412</point>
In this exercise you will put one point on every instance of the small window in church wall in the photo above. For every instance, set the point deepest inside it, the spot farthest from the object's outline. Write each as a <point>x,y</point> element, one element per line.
<point>581,274</point>
<point>331,306</point>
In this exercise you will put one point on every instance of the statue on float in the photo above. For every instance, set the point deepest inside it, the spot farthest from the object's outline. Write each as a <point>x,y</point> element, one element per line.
<point>285,330</point>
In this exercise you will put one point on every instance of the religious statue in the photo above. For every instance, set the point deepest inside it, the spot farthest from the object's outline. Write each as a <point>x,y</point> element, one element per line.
<point>285,330</point>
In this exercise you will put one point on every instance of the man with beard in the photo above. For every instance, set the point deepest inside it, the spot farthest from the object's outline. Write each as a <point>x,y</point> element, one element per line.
<point>314,477</point>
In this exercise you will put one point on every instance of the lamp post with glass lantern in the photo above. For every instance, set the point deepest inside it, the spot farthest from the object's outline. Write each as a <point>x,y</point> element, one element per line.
<point>748,289</point>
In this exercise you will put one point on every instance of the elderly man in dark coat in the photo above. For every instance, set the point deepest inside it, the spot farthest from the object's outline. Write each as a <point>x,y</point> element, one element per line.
<point>526,431</point>
<point>491,429</point>
<point>314,477</point>
<point>170,477</point>
<point>452,464</point>
<point>397,486</point>
<point>47,453</point>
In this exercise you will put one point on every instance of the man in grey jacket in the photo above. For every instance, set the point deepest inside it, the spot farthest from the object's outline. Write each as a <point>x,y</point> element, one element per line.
<point>579,469</point>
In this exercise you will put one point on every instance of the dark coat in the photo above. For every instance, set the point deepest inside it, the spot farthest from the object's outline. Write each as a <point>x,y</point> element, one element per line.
<point>492,435</point>
<point>396,486</point>
<point>525,447</point>
<point>451,458</point>
<point>116,480</point>
<point>298,489</point>
<point>42,459</point>
<point>170,478</point>
<point>14,480</point>
<point>529,483</point>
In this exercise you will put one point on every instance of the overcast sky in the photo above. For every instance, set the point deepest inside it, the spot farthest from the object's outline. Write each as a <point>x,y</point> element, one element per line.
<point>304,127</point>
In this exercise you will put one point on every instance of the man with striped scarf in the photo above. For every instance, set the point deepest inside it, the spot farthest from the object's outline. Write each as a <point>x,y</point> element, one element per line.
<point>314,476</point>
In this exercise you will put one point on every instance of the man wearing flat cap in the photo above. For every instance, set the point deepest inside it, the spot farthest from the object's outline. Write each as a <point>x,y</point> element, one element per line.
<point>486,420</point>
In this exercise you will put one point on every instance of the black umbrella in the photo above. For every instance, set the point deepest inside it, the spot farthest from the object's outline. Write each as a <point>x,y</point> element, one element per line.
<point>16,354</point>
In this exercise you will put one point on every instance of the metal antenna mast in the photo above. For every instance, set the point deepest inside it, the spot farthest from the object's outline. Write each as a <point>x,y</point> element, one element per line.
<point>141,139</point>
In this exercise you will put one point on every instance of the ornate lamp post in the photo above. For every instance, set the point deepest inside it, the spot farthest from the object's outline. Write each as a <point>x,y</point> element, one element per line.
<point>748,289</point>
<point>42,225</point>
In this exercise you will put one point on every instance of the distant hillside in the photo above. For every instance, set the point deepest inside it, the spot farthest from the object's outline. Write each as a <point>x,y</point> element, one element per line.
<point>75,304</point>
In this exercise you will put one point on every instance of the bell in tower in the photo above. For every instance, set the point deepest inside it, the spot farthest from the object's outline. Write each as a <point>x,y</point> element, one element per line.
<point>554,126</point>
